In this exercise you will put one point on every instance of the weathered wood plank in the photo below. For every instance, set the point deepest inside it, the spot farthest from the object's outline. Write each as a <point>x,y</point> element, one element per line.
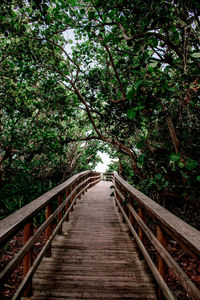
<point>94,258</point>
<point>186,234</point>
<point>162,284</point>
<point>16,221</point>
<point>172,264</point>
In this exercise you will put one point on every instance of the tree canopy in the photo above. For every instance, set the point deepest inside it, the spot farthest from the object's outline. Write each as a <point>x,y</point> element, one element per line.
<point>130,81</point>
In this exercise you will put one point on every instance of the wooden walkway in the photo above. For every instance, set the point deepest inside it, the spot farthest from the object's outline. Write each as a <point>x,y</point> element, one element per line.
<point>94,258</point>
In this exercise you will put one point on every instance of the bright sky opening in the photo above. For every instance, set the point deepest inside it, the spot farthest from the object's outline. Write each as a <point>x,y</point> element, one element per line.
<point>102,167</point>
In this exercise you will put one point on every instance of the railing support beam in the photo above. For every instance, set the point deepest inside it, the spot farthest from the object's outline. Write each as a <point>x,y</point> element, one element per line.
<point>60,201</point>
<point>67,192</point>
<point>48,230</point>
<point>162,267</point>
<point>27,261</point>
<point>140,231</point>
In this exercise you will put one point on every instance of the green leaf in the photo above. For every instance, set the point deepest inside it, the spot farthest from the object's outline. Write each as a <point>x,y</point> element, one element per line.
<point>185,175</point>
<point>158,176</point>
<point>112,13</point>
<point>196,55</point>
<point>175,156</point>
<point>91,15</point>
<point>82,11</point>
<point>141,158</point>
<point>131,113</point>
<point>172,89</point>
<point>137,84</point>
<point>198,178</point>
<point>154,42</point>
<point>12,65</point>
<point>72,2</point>
<point>150,69</point>
<point>140,145</point>
<point>191,164</point>
<point>131,94</point>
<point>180,164</point>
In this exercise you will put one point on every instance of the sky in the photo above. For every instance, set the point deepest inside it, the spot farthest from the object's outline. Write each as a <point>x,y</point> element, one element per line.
<point>69,35</point>
<point>101,167</point>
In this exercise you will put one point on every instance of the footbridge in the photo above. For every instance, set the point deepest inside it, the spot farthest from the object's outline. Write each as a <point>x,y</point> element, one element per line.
<point>100,238</point>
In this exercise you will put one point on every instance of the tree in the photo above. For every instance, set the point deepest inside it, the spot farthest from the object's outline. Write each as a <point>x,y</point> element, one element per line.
<point>39,119</point>
<point>134,71</point>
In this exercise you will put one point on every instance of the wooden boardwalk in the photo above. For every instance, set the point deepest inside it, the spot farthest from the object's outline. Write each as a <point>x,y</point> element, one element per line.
<point>94,258</point>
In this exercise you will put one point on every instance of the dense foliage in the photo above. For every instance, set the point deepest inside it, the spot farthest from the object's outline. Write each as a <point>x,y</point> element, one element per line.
<point>133,73</point>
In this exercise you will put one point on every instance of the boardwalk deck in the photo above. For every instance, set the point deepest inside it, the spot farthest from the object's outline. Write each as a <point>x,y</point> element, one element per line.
<point>94,258</point>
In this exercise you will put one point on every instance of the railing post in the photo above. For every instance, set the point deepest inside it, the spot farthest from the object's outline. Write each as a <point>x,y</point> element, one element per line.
<point>131,218</point>
<point>123,206</point>
<point>75,193</point>
<point>162,267</point>
<point>72,197</point>
<point>118,198</point>
<point>83,186</point>
<point>75,185</point>
<point>140,231</point>
<point>79,189</point>
<point>48,230</point>
<point>114,183</point>
<point>86,177</point>
<point>27,261</point>
<point>67,192</point>
<point>60,201</point>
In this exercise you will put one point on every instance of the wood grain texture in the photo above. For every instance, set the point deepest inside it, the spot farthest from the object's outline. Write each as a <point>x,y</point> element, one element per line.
<point>94,258</point>
<point>15,221</point>
<point>188,285</point>
<point>186,235</point>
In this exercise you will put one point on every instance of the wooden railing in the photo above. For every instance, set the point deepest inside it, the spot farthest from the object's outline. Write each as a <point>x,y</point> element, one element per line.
<point>107,176</point>
<point>65,195</point>
<point>139,212</point>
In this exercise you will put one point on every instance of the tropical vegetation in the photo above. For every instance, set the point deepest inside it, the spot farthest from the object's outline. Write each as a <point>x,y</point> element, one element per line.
<point>126,83</point>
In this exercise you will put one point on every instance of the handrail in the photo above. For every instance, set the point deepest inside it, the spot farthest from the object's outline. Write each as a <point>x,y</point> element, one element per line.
<point>66,193</point>
<point>12,223</point>
<point>107,176</point>
<point>137,209</point>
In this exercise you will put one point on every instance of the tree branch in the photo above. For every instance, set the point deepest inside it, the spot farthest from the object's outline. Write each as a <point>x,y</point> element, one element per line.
<point>156,34</point>
<point>116,73</point>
